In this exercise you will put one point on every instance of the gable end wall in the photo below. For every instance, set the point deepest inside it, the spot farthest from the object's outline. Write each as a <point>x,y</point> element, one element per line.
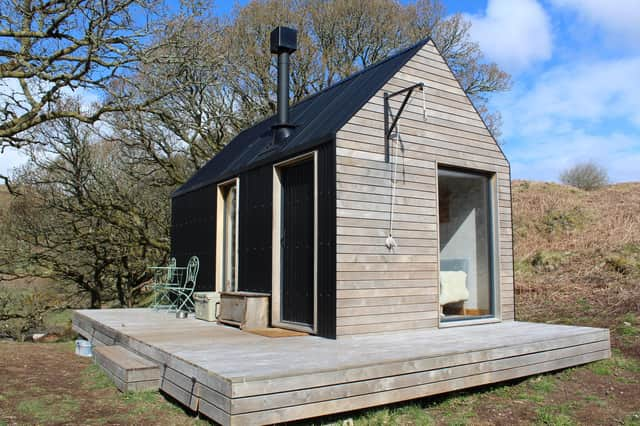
<point>377,291</point>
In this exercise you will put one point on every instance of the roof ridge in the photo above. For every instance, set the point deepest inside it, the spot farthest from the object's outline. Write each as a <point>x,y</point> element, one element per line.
<point>350,77</point>
<point>404,50</point>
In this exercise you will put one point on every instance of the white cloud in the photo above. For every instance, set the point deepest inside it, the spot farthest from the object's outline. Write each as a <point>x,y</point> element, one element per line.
<point>544,158</point>
<point>591,93</point>
<point>575,112</point>
<point>619,18</point>
<point>515,34</point>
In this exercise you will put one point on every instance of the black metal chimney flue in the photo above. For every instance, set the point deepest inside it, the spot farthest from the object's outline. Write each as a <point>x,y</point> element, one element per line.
<point>283,43</point>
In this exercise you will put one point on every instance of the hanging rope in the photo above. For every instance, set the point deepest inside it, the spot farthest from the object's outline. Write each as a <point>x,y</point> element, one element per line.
<point>424,102</point>
<point>390,241</point>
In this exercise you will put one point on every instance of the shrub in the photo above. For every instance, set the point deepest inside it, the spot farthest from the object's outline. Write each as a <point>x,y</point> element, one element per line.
<point>587,176</point>
<point>548,261</point>
<point>21,313</point>
<point>555,220</point>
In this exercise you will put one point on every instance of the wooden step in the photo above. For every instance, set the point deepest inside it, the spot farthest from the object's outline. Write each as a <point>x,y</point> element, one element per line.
<point>130,372</point>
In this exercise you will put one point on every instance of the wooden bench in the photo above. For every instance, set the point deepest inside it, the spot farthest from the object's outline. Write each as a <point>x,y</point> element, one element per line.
<point>129,371</point>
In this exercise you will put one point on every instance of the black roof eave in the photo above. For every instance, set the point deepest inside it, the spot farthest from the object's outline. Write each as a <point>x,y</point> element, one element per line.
<point>276,157</point>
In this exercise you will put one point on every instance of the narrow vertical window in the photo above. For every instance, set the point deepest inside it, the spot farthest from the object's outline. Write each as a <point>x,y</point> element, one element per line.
<point>466,245</point>
<point>229,237</point>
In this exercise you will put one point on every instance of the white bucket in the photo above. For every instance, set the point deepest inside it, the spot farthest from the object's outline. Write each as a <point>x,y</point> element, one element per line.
<point>83,348</point>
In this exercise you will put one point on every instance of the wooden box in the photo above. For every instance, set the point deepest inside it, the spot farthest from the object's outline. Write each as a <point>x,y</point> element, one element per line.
<point>244,309</point>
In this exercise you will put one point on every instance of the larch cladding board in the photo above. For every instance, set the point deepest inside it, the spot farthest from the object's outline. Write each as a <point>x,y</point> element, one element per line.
<point>378,290</point>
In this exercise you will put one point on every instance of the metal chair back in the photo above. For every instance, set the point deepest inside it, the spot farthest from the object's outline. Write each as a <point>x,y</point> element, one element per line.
<point>171,267</point>
<point>192,272</point>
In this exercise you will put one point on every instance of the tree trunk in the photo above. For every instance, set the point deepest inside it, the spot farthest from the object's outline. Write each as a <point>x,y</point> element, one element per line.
<point>121,293</point>
<point>96,299</point>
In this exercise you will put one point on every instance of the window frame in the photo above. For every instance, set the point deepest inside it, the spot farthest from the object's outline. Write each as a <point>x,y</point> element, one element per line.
<point>494,249</point>
<point>220,233</point>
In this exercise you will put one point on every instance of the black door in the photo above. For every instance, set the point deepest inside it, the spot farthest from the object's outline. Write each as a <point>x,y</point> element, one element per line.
<point>297,275</point>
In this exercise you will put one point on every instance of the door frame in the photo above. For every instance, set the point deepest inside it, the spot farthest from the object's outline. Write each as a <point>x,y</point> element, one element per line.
<point>276,262</point>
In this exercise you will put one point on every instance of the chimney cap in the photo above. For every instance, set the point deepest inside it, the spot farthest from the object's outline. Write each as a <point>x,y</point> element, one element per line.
<point>284,40</point>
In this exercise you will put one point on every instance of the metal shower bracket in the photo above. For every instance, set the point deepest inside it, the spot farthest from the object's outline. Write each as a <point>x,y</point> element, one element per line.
<point>388,129</point>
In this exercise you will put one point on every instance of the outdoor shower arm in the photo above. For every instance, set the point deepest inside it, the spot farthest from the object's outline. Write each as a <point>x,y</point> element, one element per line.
<point>388,129</point>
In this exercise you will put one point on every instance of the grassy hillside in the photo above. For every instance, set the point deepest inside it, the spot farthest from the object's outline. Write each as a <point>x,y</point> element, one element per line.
<point>577,257</point>
<point>4,197</point>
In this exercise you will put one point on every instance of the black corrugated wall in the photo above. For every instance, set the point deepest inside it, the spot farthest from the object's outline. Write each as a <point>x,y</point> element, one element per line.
<point>327,240</point>
<point>254,241</point>
<point>193,232</point>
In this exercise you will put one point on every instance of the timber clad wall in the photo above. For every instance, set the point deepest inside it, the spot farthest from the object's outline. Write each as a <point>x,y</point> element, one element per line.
<point>381,291</point>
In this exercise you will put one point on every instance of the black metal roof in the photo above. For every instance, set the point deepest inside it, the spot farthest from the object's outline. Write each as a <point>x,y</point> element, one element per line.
<point>317,118</point>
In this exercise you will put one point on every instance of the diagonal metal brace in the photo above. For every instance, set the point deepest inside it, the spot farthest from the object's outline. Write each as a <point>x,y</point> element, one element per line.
<point>388,115</point>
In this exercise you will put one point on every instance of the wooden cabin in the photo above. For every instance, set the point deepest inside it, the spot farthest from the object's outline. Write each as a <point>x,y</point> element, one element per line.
<point>373,219</point>
<point>398,150</point>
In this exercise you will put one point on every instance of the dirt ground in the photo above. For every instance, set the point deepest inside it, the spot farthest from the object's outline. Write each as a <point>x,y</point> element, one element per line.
<point>49,384</point>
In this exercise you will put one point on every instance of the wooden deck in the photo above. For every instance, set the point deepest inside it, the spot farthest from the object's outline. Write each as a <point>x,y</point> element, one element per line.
<point>235,377</point>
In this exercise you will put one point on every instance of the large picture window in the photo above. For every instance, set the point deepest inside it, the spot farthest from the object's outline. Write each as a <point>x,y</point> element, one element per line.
<point>228,236</point>
<point>466,245</point>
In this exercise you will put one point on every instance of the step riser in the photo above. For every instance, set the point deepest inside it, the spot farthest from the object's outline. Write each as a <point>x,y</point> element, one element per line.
<point>127,375</point>
<point>123,386</point>
<point>129,371</point>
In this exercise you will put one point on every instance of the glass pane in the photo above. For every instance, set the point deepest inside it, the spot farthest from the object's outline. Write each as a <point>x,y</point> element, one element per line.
<point>230,239</point>
<point>465,245</point>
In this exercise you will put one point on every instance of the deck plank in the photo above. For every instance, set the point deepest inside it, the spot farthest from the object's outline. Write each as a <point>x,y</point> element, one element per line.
<point>235,377</point>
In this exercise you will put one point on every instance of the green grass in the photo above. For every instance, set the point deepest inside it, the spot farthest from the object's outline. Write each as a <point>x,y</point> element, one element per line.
<point>60,318</point>
<point>543,384</point>
<point>94,378</point>
<point>141,402</point>
<point>380,417</point>
<point>548,260</point>
<point>632,419</point>
<point>414,415</point>
<point>552,416</point>
<point>592,399</point>
<point>563,220</point>
<point>144,397</point>
<point>404,414</point>
<point>459,408</point>
<point>614,365</point>
<point>626,260</point>
<point>629,329</point>
<point>49,408</point>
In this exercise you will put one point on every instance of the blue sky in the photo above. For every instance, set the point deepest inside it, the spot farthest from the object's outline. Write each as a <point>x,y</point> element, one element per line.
<point>575,66</point>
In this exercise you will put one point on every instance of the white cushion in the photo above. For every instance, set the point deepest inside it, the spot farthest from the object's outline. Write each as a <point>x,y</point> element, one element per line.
<point>453,287</point>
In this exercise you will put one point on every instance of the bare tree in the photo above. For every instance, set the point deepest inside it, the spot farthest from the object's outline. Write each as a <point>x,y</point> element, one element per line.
<point>587,176</point>
<point>197,112</point>
<point>82,219</point>
<point>339,37</point>
<point>53,49</point>
<point>217,77</point>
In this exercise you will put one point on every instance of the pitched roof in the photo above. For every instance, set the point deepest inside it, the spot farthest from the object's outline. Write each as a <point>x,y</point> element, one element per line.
<point>317,118</point>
